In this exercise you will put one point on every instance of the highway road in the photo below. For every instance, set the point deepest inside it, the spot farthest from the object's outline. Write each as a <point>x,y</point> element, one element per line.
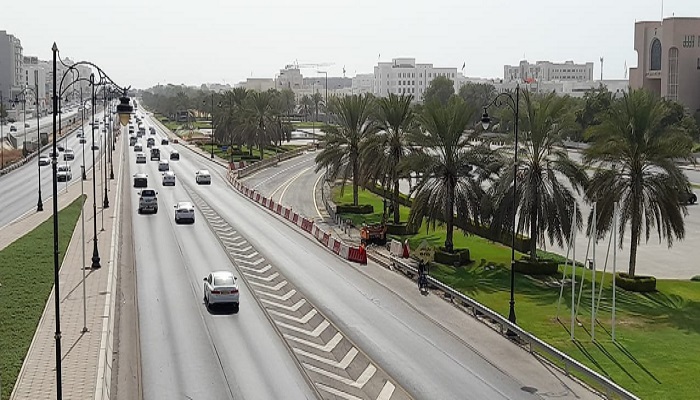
<point>19,188</point>
<point>188,351</point>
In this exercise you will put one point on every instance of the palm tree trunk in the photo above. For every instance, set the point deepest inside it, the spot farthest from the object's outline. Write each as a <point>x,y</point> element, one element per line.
<point>449,218</point>
<point>395,200</point>
<point>634,239</point>
<point>355,194</point>
<point>533,233</point>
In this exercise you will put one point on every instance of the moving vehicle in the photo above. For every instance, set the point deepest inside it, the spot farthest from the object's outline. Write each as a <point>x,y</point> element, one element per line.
<point>82,140</point>
<point>220,287</point>
<point>64,173</point>
<point>140,158</point>
<point>140,180</point>
<point>26,125</point>
<point>174,155</point>
<point>169,179</point>
<point>44,160</point>
<point>373,234</point>
<point>13,128</point>
<point>150,142</point>
<point>60,147</point>
<point>184,212</point>
<point>155,154</point>
<point>163,165</point>
<point>202,177</point>
<point>142,130</point>
<point>152,130</point>
<point>138,147</point>
<point>164,142</point>
<point>133,140</point>
<point>68,155</point>
<point>148,201</point>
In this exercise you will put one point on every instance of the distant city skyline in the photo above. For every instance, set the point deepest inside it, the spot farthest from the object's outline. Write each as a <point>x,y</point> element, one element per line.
<point>143,44</point>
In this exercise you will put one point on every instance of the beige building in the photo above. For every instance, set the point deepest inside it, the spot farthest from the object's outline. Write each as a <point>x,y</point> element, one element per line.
<point>668,59</point>
<point>545,71</point>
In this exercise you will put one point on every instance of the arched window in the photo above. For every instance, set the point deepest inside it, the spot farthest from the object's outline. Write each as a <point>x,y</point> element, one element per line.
<point>655,55</point>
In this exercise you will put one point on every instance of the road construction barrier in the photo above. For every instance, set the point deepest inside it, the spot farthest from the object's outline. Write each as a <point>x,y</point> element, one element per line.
<point>279,209</point>
<point>264,201</point>
<point>325,239</point>
<point>287,212</point>
<point>344,251</point>
<point>335,245</point>
<point>295,218</point>
<point>307,225</point>
<point>358,254</point>
<point>271,205</point>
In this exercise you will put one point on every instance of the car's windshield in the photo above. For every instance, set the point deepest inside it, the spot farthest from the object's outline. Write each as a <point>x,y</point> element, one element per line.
<point>223,281</point>
<point>148,193</point>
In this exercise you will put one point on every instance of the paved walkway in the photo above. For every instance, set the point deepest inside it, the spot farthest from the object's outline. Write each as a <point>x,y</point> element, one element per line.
<point>87,356</point>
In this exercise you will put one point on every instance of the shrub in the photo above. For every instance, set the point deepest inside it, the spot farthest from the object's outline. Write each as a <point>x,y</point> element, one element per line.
<point>400,229</point>
<point>527,266</point>
<point>458,257</point>
<point>354,209</point>
<point>639,284</point>
<point>696,278</point>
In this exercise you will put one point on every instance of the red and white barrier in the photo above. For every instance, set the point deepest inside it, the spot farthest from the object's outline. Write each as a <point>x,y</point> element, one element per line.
<point>279,209</point>
<point>358,254</point>
<point>287,212</point>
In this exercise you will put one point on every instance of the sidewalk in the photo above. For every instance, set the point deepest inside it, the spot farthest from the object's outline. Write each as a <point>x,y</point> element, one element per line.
<point>84,353</point>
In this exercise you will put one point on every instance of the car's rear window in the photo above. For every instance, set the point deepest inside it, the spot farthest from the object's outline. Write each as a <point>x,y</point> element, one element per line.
<point>221,281</point>
<point>148,193</point>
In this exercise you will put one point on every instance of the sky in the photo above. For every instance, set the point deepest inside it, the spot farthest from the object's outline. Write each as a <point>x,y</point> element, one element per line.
<point>141,43</point>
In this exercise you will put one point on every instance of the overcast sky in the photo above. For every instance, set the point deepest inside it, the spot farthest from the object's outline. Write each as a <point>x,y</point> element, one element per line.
<point>145,42</point>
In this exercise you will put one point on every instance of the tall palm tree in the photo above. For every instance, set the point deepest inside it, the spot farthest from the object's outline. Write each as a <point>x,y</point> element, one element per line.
<point>635,153</point>
<point>306,106</point>
<point>547,177</point>
<point>257,117</point>
<point>317,99</point>
<point>386,150</point>
<point>342,142</point>
<point>450,169</point>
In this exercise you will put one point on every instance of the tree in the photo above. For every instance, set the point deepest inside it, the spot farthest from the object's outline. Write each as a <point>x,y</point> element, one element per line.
<point>477,96</point>
<point>634,152</point>
<point>547,177</point>
<point>440,90</point>
<point>449,167</point>
<point>384,152</point>
<point>257,115</point>
<point>317,99</point>
<point>306,106</point>
<point>342,142</point>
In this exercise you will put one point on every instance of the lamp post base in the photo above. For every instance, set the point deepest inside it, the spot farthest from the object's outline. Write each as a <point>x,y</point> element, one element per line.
<point>95,256</point>
<point>105,203</point>
<point>39,205</point>
<point>82,167</point>
<point>111,172</point>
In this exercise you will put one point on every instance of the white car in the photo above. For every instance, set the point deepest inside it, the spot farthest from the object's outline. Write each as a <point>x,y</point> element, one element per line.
<point>68,155</point>
<point>140,158</point>
<point>184,211</point>
<point>163,165</point>
<point>64,173</point>
<point>138,147</point>
<point>220,287</point>
<point>148,201</point>
<point>202,177</point>
<point>169,180</point>
<point>44,160</point>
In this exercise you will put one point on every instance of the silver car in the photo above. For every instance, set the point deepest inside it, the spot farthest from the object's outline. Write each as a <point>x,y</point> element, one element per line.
<point>220,287</point>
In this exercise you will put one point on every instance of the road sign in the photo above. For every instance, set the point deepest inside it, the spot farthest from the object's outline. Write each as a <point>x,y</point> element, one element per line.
<point>425,252</point>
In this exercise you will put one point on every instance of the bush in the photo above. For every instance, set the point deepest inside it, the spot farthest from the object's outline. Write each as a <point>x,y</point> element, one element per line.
<point>696,278</point>
<point>399,229</point>
<point>527,266</point>
<point>639,284</point>
<point>354,209</point>
<point>458,257</point>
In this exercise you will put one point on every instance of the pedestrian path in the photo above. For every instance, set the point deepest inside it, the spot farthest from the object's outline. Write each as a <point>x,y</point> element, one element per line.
<point>86,354</point>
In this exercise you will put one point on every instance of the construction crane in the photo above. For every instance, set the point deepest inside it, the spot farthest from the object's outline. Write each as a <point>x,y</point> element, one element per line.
<point>311,65</point>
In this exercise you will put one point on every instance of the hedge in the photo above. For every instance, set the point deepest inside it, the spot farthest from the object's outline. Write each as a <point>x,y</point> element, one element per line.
<point>399,229</point>
<point>639,284</point>
<point>459,256</point>
<point>536,267</point>
<point>354,209</point>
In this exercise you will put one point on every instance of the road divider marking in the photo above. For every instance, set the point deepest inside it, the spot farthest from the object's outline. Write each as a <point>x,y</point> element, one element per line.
<point>359,383</point>
<point>387,391</point>
<point>262,278</point>
<point>293,308</point>
<point>342,364</point>
<point>314,333</point>
<point>336,392</point>
<point>325,348</point>
<point>254,262</point>
<point>275,288</point>
<point>312,313</point>
<point>281,298</point>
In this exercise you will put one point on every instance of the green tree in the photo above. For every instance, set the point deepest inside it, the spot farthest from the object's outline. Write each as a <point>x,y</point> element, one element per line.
<point>306,106</point>
<point>546,177</point>
<point>342,142</point>
<point>477,96</point>
<point>257,117</point>
<point>317,99</point>
<point>448,167</point>
<point>440,90</point>
<point>384,152</point>
<point>634,151</point>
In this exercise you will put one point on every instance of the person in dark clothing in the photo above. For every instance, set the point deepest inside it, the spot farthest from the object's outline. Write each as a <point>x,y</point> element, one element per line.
<point>422,275</point>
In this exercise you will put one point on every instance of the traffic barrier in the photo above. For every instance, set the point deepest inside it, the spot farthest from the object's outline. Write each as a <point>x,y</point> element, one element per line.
<point>264,201</point>
<point>257,197</point>
<point>344,251</point>
<point>271,205</point>
<point>336,246</point>
<point>279,209</point>
<point>295,219</point>
<point>307,225</point>
<point>315,232</point>
<point>287,212</point>
<point>325,239</point>
<point>358,255</point>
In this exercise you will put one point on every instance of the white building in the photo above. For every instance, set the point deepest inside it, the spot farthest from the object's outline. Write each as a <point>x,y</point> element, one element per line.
<point>11,72</point>
<point>258,84</point>
<point>548,71</point>
<point>404,76</point>
<point>289,78</point>
<point>564,88</point>
<point>362,83</point>
<point>35,72</point>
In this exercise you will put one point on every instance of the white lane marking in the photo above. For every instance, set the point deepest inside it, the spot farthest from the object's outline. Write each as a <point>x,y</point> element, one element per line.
<point>326,347</point>
<point>359,383</point>
<point>292,181</point>
<point>278,173</point>
<point>387,391</point>
<point>336,392</point>
<point>236,253</point>
<point>342,364</point>
<point>315,333</point>
<point>293,308</point>
<point>314,191</point>
<point>255,262</point>
<point>281,298</point>
<point>231,235</point>
<point>271,288</point>
<point>231,244</point>
<point>261,271</point>
<point>243,249</point>
<point>262,278</point>
<point>301,320</point>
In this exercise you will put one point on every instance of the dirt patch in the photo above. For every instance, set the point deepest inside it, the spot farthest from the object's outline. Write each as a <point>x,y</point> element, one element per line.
<point>8,157</point>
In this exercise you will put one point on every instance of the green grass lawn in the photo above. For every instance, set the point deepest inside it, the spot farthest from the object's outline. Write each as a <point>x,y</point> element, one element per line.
<point>309,125</point>
<point>267,153</point>
<point>26,276</point>
<point>657,334</point>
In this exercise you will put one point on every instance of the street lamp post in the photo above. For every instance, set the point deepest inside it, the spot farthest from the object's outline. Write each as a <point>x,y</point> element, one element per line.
<point>105,201</point>
<point>514,104</point>
<point>2,134</point>
<point>325,100</point>
<point>212,123</point>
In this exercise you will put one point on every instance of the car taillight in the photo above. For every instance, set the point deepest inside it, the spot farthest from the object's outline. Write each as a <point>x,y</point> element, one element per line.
<point>215,292</point>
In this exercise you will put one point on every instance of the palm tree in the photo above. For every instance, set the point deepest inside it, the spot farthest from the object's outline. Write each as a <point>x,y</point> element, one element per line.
<point>317,99</point>
<point>306,106</point>
<point>342,142</point>
<point>547,177</point>
<point>257,115</point>
<point>634,152</point>
<point>450,169</point>
<point>385,151</point>
<point>230,122</point>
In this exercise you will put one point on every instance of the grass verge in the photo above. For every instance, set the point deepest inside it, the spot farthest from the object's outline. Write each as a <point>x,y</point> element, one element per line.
<point>654,331</point>
<point>309,125</point>
<point>26,276</point>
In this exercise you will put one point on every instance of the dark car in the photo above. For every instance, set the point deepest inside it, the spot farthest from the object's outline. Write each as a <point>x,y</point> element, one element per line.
<point>60,147</point>
<point>164,142</point>
<point>140,180</point>
<point>174,155</point>
<point>687,197</point>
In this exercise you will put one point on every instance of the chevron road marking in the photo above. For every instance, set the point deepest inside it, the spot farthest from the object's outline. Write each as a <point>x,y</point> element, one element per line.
<point>326,347</point>
<point>293,308</point>
<point>359,383</point>
<point>230,244</point>
<point>342,364</point>
<point>336,392</point>
<point>232,234</point>
<point>245,249</point>
<point>315,333</point>
<point>266,279</point>
<point>301,320</point>
<point>282,298</point>
<point>259,271</point>
<point>255,262</point>
<point>387,391</point>
<point>272,288</point>
<point>248,256</point>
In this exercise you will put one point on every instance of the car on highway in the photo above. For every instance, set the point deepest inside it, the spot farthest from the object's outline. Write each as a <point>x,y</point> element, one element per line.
<point>174,155</point>
<point>140,180</point>
<point>68,155</point>
<point>44,160</point>
<point>82,140</point>
<point>164,142</point>
<point>64,174</point>
<point>163,165</point>
<point>138,147</point>
<point>140,158</point>
<point>13,128</point>
<point>133,140</point>
<point>220,287</point>
<point>60,147</point>
<point>202,177</point>
<point>168,178</point>
<point>184,212</point>
<point>148,201</point>
<point>150,142</point>
<point>95,146</point>
<point>155,154</point>
<point>152,130</point>
<point>26,125</point>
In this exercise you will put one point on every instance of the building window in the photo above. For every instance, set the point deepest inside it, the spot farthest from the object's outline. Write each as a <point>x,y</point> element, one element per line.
<point>655,56</point>
<point>689,41</point>
<point>673,74</point>
<point>698,62</point>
